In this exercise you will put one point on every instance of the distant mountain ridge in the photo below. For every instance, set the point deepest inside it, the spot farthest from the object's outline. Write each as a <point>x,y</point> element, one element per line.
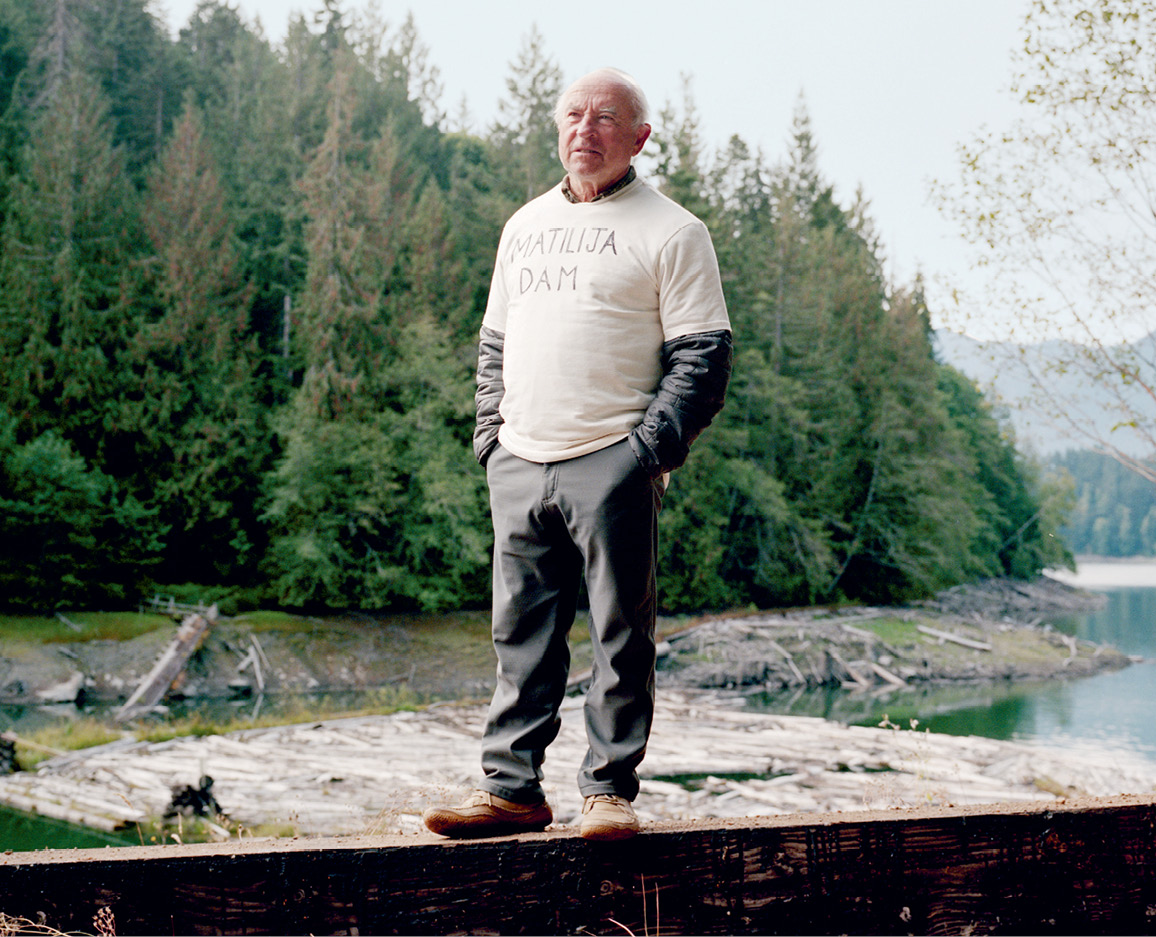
<point>1003,370</point>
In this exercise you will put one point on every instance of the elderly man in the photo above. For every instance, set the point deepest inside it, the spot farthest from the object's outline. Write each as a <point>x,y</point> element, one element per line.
<point>605,350</point>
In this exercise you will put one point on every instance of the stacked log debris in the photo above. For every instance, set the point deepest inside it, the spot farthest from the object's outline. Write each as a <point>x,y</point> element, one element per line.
<point>808,649</point>
<point>709,756</point>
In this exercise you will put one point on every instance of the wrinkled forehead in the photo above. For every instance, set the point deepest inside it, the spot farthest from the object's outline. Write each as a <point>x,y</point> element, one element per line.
<point>598,95</point>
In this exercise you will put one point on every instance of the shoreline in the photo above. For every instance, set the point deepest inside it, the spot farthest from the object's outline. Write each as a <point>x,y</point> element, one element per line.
<point>450,657</point>
<point>710,755</point>
<point>992,631</point>
<point>709,758</point>
<point>1098,572</point>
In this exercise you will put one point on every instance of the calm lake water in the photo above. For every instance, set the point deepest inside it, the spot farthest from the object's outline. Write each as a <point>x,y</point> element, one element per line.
<point>1113,710</point>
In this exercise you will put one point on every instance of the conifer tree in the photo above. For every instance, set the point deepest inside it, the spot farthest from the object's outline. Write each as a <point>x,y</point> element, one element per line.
<point>19,27</point>
<point>247,97</point>
<point>680,156</point>
<point>912,530</point>
<point>68,282</point>
<point>130,55</point>
<point>306,221</point>
<point>836,468</point>
<point>68,536</point>
<point>734,502</point>
<point>57,51</point>
<point>368,504</point>
<point>1020,512</point>
<point>524,134</point>
<point>477,207</point>
<point>325,431</point>
<point>203,438</point>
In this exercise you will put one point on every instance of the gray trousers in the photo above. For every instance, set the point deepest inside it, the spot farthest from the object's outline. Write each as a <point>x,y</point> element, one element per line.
<point>596,514</point>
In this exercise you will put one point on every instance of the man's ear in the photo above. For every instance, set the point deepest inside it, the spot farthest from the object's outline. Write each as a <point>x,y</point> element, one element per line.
<point>641,138</point>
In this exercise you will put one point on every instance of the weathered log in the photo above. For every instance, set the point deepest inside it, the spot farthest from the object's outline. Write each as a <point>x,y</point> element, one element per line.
<point>158,681</point>
<point>1086,867</point>
<point>68,623</point>
<point>13,739</point>
<point>886,674</point>
<point>954,638</point>
<point>255,658</point>
<point>841,671</point>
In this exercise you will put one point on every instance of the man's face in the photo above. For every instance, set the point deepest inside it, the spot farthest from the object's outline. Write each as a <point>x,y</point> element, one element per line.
<point>597,137</point>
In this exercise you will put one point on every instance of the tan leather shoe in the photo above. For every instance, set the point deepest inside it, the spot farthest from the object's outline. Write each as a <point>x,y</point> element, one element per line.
<point>485,814</point>
<point>607,817</point>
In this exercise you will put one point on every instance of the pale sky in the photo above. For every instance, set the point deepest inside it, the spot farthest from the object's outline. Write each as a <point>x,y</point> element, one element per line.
<point>892,86</point>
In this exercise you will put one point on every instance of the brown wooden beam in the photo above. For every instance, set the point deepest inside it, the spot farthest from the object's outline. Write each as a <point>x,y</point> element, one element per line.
<point>1085,867</point>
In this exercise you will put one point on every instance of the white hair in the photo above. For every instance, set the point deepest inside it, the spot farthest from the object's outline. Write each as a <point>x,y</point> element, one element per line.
<point>635,96</point>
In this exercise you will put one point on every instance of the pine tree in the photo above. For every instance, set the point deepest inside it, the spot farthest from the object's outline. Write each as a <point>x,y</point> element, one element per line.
<point>57,52</point>
<point>68,537</point>
<point>368,504</point>
<point>406,65</point>
<point>249,100</point>
<point>838,467</point>
<point>121,47</point>
<point>525,135</point>
<point>680,157</point>
<point>477,208</point>
<point>19,27</point>
<point>141,76</point>
<point>913,530</point>
<point>203,438</point>
<point>68,282</point>
<point>1102,490</point>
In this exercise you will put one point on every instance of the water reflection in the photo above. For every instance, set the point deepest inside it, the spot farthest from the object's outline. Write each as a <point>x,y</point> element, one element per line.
<point>991,710</point>
<point>25,832</point>
<point>1113,709</point>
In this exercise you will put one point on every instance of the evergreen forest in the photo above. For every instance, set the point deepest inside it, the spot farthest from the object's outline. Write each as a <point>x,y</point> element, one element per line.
<point>240,290</point>
<point>1114,509</point>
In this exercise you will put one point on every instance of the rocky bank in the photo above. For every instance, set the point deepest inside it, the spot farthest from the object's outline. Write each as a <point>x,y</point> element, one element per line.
<point>995,630</point>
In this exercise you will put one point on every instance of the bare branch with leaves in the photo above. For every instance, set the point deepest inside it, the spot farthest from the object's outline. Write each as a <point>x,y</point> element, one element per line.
<point>1061,209</point>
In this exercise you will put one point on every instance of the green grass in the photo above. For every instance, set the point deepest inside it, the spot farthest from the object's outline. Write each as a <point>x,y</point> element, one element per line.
<point>36,746</point>
<point>67,736</point>
<point>380,702</point>
<point>281,622</point>
<point>893,631</point>
<point>89,626</point>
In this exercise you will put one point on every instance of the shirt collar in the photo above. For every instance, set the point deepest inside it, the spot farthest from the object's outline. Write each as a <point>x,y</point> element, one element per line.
<point>605,193</point>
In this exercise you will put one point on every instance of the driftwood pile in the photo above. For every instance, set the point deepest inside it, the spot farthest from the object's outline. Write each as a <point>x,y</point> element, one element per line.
<point>1007,600</point>
<point>808,648</point>
<point>785,650</point>
<point>709,757</point>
